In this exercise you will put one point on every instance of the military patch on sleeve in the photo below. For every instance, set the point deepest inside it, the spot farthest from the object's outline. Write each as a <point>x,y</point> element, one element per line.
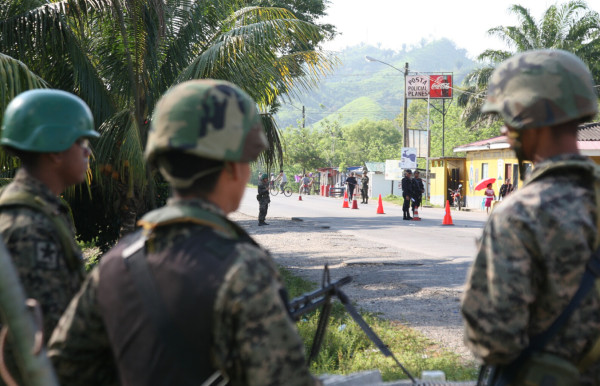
<point>46,255</point>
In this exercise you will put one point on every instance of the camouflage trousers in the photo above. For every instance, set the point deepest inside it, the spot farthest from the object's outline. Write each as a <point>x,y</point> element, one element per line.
<point>263,206</point>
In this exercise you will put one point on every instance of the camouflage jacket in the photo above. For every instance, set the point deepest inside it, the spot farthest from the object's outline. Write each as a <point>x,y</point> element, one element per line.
<point>365,182</point>
<point>36,249</point>
<point>529,263</point>
<point>255,341</point>
<point>263,192</point>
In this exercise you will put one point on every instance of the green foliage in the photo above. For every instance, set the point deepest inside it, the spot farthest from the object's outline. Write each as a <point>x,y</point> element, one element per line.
<point>91,253</point>
<point>337,146</point>
<point>370,90</point>
<point>120,57</point>
<point>346,348</point>
<point>570,26</point>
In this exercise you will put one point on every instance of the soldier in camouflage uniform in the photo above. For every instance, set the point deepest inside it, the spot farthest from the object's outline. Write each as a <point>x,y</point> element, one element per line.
<point>219,308</point>
<point>263,199</point>
<point>535,246</point>
<point>47,130</point>
<point>364,190</point>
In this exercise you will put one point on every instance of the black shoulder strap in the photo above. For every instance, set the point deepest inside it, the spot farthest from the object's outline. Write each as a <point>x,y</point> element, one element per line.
<point>64,233</point>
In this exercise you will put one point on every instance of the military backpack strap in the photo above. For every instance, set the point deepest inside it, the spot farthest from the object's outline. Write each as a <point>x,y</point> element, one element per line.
<point>64,233</point>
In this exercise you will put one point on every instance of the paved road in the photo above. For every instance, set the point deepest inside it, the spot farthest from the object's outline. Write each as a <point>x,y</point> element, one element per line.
<point>427,238</point>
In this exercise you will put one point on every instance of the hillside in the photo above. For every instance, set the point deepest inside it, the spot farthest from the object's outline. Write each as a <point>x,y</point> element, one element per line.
<point>359,89</point>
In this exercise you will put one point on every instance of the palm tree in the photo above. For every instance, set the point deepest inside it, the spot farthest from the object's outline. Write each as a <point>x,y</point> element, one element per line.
<point>120,56</point>
<point>571,26</point>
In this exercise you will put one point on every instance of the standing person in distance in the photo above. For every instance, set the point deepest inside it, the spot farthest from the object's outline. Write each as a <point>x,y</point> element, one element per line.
<point>535,247</point>
<point>418,190</point>
<point>364,190</point>
<point>407,193</point>
<point>351,182</point>
<point>48,130</point>
<point>505,189</point>
<point>191,295</point>
<point>263,199</point>
<point>490,196</point>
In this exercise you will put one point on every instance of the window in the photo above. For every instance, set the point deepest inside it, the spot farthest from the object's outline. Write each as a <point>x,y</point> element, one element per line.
<point>484,171</point>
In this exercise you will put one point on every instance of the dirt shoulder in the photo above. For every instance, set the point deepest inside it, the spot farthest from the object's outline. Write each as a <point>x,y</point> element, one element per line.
<point>395,291</point>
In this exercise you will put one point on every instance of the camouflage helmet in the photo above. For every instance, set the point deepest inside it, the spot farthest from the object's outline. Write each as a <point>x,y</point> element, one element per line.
<point>46,121</point>
<point>541,88</point>
<point>207,118</point>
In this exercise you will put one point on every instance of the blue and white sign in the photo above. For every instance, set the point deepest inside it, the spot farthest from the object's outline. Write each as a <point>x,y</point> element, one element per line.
<point>408,160</point>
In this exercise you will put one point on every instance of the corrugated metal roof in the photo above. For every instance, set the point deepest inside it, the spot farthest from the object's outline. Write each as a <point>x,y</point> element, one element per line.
<point>589,132</point>
<point>376,166</point>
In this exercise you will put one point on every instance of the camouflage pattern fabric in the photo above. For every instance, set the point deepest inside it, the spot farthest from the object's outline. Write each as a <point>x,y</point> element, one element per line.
<point>365,188</point>
<point>541,88</point>
<point>263,200</point>
<point>37,252</point>
<point>256,343</point>
<point>529,263</point>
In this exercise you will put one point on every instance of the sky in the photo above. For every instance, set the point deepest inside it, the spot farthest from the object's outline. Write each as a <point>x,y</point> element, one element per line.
<point>392,23</point>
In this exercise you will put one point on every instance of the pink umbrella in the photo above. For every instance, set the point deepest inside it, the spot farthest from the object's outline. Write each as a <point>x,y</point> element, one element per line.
<point>483,184</point>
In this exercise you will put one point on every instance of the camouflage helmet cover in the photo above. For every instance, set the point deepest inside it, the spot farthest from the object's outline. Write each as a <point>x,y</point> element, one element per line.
<point>46,121</point>
<point>541,88</point>
<point>207,118</point>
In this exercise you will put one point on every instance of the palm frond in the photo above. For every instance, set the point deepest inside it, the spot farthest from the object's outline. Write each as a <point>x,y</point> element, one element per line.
<point>15,77</point>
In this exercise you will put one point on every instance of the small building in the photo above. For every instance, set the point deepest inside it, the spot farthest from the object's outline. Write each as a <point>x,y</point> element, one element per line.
<point>377,182</point>
<point>493,158</point>
<point>445,173</point>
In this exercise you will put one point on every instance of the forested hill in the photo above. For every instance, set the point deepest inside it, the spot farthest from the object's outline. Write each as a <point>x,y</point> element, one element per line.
<point>360,89</point>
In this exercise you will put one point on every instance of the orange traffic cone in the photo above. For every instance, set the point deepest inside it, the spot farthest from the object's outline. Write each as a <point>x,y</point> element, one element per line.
<point>299,197</point>
<point>447,217</point>
<point>345,205</point>
<point>354,204</point>
<point>380,206</point>
<point>416,214</point>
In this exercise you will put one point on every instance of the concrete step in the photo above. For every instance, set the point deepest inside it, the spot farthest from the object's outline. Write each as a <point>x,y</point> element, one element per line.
<point>373,378</point>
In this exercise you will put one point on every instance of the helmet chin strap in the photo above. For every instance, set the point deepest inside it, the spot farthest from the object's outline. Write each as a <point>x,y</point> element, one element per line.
<point>518,149</point>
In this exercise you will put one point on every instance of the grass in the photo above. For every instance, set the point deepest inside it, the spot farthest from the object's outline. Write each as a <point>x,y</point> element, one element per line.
<point>346,348</point>
<point>398,200</point>
<point>91,253</point>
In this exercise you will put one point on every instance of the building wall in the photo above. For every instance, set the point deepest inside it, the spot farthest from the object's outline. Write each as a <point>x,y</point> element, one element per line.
<point>379,185</point>
<point>499,164</point>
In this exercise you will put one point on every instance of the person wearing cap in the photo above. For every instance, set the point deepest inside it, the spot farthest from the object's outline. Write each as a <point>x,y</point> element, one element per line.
<point>48,131</point>
<point>418,189</point>
<point>190,297</point>
<point>263,199</point>
<point>534,249</point>
<point>407,193</point>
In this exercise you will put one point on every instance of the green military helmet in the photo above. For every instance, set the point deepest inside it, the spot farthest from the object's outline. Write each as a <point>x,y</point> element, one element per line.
<point>207,118</point>
<point>541,88</point>
<point>46,121</point>
<point>264,176</point>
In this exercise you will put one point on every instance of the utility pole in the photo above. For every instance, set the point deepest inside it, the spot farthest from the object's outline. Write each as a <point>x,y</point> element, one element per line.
<point>303,117</point>
<point>405,133</point>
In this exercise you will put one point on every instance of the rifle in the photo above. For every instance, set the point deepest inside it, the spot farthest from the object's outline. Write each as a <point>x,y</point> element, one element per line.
<point>25,332</point>
<point>322,297</point>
